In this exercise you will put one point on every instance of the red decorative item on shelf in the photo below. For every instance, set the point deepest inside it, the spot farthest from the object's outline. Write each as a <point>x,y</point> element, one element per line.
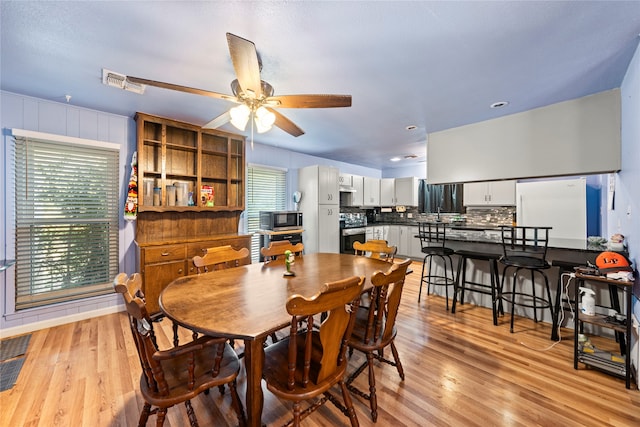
<point>131,204</point>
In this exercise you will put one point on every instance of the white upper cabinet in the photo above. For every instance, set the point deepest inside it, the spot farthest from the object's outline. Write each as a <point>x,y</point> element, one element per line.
<point>406,191</point>
<point>494,193</point>
<point>328,193</point>
<point>357,197</point>
<point>371,191</point>
<point>345,179</point>
<point>387,192</point>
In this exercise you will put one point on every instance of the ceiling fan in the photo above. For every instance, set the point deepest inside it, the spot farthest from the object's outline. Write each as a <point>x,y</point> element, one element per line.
<point>254,96</point>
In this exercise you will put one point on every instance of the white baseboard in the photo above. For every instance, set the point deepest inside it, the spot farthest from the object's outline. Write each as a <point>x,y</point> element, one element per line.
<point>49,323</point>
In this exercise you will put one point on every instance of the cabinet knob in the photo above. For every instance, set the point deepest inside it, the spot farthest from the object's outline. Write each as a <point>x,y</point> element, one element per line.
<point>165,254</point>
<point>180,271</point>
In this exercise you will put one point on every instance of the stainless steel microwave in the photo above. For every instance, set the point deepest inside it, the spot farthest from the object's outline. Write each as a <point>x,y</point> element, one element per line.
<point>280,220</point>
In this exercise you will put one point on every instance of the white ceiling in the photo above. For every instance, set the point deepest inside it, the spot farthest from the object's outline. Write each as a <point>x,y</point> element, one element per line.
<point>435,65</point>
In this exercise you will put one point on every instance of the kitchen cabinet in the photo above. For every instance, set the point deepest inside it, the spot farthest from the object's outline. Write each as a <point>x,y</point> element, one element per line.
<point>399,191</point>
<point>376,232</point>
<point>320,208</point>
<point>408,244</point>
<point>387,192</point>
<point>357,197</point>
<point>162,263</point>
<point>406,191</point>
<point>355,183</point>
<point>392,236</point>
<point>179,158</point>
<point>329,226</point>
<point>345,179</point>
<point>494,193</point>
<point>371,190</point>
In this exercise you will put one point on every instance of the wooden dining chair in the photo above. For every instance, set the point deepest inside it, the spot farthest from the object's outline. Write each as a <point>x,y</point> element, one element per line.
<point>220,257</point>
<point>378,249</point>
<point>181,373</point>
<point>311,360</point>
<point>375,328</point>
<point>277,249</point>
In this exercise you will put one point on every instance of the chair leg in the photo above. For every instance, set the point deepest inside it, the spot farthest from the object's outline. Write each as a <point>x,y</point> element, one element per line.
<point>160,416</point>
<point>175,334</point>
<point>422,277</point>
<point>429,276</point>
<point>348,403</point>
<point>458,285</point>
<point>396,358</point>
<point>144,415</point>
<point>513,297</point>
<point>237,404</point>
<point>494,284</point>
<point>297,410</point>
<point>373,401</point>
<point>192,416</point>
<point>533,292</point>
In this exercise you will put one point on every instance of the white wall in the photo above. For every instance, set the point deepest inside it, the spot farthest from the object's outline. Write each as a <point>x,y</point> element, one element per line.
<point>628,180</point>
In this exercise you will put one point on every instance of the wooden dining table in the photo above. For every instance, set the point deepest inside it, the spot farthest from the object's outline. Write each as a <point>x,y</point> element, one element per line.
<point>248,303</point>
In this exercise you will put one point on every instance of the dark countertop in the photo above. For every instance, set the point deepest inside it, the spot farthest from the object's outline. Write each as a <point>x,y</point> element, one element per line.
<point>491,234</point>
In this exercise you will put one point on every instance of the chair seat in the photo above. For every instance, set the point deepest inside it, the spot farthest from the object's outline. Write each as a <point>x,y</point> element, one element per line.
<point>177,375</point>
<point>525,262</point>
<point>443,251</point>
<point>483,256</point>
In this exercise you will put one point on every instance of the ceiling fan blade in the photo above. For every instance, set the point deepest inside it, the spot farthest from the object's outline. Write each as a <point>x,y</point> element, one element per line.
<point>309,101</point>
<point>181,88</point>
<point>218,121</point>
<point>285,124</point>
<point>245,61</point>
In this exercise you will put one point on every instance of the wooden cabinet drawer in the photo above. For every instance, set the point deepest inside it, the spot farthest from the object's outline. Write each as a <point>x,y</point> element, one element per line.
<point>157,277</point>
<point>164,253</point>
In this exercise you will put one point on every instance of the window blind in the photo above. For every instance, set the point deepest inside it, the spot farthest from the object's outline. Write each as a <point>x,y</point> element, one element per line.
<point>266,192</point>
<point>66,213</point>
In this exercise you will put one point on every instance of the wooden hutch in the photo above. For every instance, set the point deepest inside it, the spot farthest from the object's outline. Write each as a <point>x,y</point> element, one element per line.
<point>176,223</point>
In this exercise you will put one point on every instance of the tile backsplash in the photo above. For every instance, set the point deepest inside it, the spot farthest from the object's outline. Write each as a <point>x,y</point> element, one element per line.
<point>490,216</point>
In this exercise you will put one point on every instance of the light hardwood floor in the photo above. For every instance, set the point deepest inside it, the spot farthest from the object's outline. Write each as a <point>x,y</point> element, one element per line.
<point>460,370</point>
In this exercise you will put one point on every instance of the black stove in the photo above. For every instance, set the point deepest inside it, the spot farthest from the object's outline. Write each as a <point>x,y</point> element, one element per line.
<point>352,228</point>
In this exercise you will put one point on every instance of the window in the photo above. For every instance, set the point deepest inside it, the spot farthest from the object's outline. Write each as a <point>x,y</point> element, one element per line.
<point>267,189</point>
<point>66,218</point>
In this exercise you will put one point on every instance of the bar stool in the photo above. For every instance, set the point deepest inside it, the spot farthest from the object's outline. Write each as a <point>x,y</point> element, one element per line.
<point>433,238</point>
<point>481,288</point>
<point>525,249</point>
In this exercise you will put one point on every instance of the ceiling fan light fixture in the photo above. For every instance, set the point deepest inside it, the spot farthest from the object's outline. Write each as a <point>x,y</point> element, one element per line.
<point>264,119</point>
<point>240,116</point>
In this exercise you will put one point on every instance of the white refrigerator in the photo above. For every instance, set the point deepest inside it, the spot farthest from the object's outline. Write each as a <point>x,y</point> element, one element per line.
<point>561,204</point>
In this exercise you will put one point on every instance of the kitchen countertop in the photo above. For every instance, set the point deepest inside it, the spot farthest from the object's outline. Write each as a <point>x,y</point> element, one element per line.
<point>491,234</point>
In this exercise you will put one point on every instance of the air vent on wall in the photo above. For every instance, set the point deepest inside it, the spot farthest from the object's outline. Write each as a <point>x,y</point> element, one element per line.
<point>111,78</point>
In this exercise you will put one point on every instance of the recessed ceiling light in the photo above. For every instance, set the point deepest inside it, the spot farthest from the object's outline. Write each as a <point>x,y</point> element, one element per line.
<point>411,127</point>
<point>499,104</point>
<point>395,159</point>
